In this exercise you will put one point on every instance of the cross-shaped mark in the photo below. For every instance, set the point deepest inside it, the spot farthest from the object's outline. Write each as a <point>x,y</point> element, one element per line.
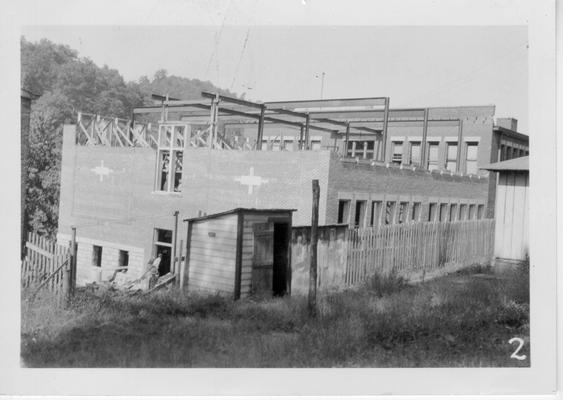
<point>102,170</point>
<point>251,180</point>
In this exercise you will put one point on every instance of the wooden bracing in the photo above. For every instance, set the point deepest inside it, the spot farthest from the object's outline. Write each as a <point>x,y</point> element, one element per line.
<point>96,130</point>
<point>114,132</point>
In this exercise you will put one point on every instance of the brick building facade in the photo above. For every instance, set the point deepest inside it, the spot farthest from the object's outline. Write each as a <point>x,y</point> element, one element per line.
<point>112,195</point>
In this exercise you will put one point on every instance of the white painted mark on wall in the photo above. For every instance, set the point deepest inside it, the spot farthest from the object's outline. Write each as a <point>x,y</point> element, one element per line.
<point>102,171</point>
<point>251,180</point>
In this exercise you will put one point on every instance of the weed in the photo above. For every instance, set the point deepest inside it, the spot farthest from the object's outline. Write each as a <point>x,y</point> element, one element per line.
<point>457,320</point>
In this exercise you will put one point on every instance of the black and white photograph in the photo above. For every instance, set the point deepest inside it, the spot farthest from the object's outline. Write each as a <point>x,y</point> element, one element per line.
<point>258,190</point>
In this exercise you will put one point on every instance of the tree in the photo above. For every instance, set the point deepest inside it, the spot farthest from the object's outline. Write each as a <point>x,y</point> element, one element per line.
<point>68,84</point>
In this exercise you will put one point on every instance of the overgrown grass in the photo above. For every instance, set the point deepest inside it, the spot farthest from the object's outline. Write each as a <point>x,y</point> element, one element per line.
<point>462,320</point>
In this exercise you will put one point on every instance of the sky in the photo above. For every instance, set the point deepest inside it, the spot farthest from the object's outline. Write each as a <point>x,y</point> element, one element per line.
<point>416,66</point>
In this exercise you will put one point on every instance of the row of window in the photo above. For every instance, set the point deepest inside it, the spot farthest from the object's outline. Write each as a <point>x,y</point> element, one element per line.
<point>400,212</point>
<point>97,253</point>
<point>288,144</point>
<point>411,154</point>
<point>509,152</point>
<point>162,245</point>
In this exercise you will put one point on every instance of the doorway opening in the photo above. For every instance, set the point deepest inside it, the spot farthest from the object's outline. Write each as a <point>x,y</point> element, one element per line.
<point>281,259</point>
<point>163,245</point>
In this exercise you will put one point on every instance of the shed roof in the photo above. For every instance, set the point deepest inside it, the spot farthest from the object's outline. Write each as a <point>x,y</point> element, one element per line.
<point>515,164</point>
<point>244,210</point>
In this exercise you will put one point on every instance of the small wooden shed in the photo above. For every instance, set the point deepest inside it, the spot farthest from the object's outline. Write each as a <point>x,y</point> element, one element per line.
<point>511,209</point>
<point>239,252</point>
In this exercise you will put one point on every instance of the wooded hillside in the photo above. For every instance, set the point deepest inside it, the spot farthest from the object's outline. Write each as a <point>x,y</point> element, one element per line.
<point>66,84</point>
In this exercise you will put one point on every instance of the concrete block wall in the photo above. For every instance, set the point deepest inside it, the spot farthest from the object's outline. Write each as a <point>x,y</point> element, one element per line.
<point>87,272</point>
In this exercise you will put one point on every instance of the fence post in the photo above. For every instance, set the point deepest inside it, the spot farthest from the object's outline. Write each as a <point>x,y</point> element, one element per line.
<point>179,270</point>
<point>72,275</point>
<point>175,269</point>
<point>66,284</point>
<point>312,304</point>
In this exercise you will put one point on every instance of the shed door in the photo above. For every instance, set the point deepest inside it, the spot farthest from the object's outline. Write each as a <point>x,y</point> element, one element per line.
<point>262,269</point>
<point>281,252</point>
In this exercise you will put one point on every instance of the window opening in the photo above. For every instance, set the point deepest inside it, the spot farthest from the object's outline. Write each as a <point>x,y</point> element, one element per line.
<point>415,211</point>
<point>123,258</point>
<point>463,212</point>
<point>433,152</point>
<point>472,211</point>
<point>389,212</point>
<point>97,256</point>
<point>432,212</point>
<point>471,158</point>
<point>343,211</point>
<point>451,156</point>
<point>403,212</point>
<point>443,212</point>
<point>375,213</point>
<point>360,214</point>
<point>415,153</point>
<point>397,154</point>
<point>170,157</point>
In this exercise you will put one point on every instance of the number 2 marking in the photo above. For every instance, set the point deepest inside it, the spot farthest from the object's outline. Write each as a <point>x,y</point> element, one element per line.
<point>520,344</point>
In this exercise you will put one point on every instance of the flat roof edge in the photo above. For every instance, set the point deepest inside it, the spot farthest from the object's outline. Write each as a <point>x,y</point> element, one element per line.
<point>241,209</point>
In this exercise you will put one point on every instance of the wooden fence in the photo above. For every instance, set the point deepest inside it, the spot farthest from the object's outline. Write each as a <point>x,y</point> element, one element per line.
<point>47,265</point>
<point>417,250</point>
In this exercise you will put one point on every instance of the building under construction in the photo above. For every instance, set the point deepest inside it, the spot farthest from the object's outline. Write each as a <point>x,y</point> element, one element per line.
<point>123,181</point>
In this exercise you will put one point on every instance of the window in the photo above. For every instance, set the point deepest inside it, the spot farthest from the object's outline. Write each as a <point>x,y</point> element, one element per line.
<point>171,140</point>
<point>288,144</point>
<point>471,158</point>
<point>343,211</point>
<point>443,212</point>
<point>415,153</point>
<point>432,212</point>
<point>433,153</point>
<point>375,213</point>
<point>480,211</point>
<point>389,212</point>
<point>502,152</point>
<point>403,212</point>
<point>472,211</point>
<point>361,148</point>
<point>360,215</point>
<point>315,144</point>
<point>163,236</point>
<point>451,156</point>
<point>97,256</point>
<point>453,212</point>
<point>415,211</point>
<point>397,153</point>
<point>123,258</point>
<point>463,212</point>
<point>276,145</point>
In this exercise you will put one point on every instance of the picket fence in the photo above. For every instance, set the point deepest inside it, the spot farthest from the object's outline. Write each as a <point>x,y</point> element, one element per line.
<point>414,250</point>
<point>46,265</point>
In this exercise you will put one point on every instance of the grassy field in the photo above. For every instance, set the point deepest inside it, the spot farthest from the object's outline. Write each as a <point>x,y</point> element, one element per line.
<point>460,320</point>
